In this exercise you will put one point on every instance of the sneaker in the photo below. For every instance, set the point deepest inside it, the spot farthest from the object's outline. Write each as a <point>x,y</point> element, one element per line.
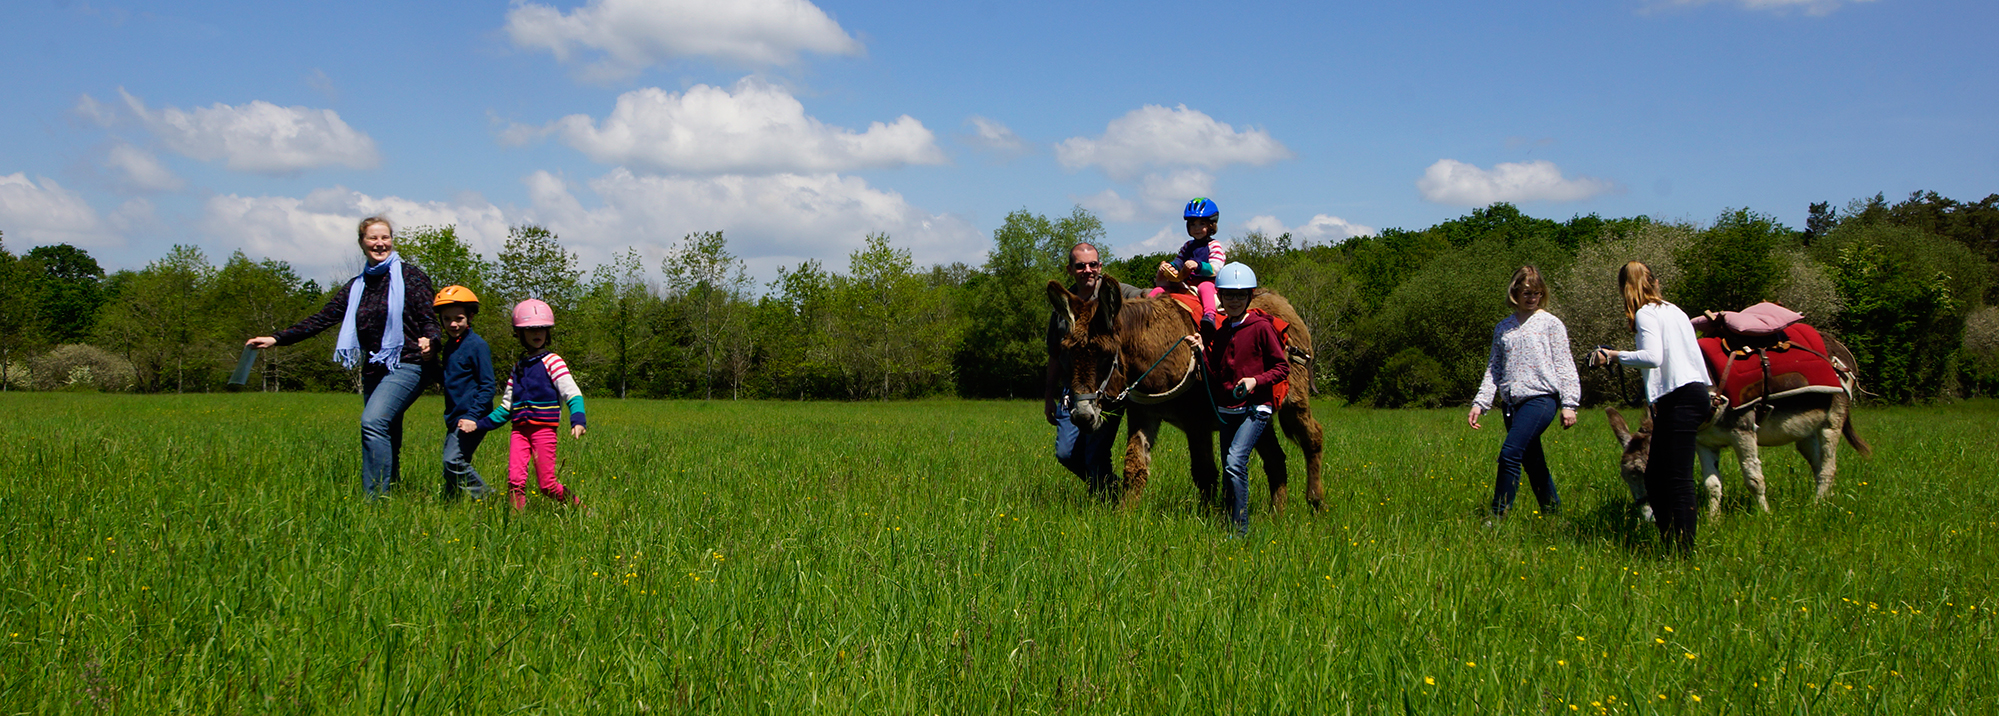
<point>1208,323</point>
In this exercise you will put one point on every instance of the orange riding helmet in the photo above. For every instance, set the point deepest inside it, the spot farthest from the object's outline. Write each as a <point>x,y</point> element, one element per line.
<point>455,294</point>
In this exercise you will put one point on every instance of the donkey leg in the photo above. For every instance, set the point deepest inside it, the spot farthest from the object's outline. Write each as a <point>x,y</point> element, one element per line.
<point>1752,467</point>
<point>1140,434</point>
<point>1201,459</point>
<point>1821,452</point>
<point>1275,471</point>
<point>1711,475</point>
<point>1303,430</point>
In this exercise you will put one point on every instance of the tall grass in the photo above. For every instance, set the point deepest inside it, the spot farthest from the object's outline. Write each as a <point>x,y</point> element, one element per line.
<point>212,554</point>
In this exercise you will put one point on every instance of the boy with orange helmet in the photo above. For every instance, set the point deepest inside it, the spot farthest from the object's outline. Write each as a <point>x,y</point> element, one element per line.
<point>466,372</point>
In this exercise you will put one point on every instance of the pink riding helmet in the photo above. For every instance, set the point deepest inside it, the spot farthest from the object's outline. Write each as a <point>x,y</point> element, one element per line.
<point>533,313</point>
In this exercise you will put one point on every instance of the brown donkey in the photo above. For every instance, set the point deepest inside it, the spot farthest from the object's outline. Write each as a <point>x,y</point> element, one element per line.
<point>1130,356</point>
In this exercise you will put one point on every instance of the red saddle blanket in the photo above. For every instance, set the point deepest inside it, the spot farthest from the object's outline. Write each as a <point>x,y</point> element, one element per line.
<point>1188,301</point>
<point>1796,357</point>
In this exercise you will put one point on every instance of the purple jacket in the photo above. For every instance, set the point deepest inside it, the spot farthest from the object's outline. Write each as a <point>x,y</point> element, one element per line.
<point>419,318</point>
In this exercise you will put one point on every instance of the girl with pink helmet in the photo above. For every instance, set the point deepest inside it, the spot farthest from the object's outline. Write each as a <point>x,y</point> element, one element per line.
<point>538,387</point>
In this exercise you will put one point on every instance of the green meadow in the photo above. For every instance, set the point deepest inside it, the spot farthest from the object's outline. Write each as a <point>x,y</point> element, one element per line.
<point>212,554</point>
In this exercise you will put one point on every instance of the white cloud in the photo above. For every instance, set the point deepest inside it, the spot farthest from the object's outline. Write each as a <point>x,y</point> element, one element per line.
<point>1809,7</point>
<point>756,129</point>
<point>1159,194</point>
<point>1167,240</point>
<point>316,233</point>
<point>631,35</point>
<point>993,136</point>
<point>1453,182</point>
<point>1154,136</point>
<point>42,213</point>
<point>138,169</point>
<point>258,137</point>
<point>770,221</point>
<point>95,112</point>
<point>1322,228</point>
<point>1169,192</point>
<point>1108,205</point>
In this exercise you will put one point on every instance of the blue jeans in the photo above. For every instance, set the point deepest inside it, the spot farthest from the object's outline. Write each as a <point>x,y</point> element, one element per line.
<point>1088,455</point>
<point>1241,433</point>
<point>385,395</point>
<point>1525,421</point>
<point>460,478</point>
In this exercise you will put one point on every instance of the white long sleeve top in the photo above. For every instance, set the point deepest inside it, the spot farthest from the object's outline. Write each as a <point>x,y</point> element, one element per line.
<point>1529,358</point>
<point>1667,350</point>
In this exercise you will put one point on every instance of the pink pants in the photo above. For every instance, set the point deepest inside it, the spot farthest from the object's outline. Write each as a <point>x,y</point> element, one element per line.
<point>1204,289</point>
<point>537,444</point>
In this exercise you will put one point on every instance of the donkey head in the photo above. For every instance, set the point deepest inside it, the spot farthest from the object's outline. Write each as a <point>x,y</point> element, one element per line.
<point>1092,347</point>
<point>1631,464</point>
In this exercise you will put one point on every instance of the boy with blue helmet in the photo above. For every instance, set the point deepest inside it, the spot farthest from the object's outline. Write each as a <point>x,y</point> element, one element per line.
<point>1200,257</point>
<point>1246,359</point>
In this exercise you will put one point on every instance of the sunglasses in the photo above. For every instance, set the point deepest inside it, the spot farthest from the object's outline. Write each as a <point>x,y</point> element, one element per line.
<point>1085,265</point>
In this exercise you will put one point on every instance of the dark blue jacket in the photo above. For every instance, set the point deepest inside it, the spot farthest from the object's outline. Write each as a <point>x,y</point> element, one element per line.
<point>468,378</point>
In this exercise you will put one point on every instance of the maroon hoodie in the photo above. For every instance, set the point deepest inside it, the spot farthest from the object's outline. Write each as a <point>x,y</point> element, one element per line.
<point>1242,349</point>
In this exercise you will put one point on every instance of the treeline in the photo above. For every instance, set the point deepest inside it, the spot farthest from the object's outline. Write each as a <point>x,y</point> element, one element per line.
<point>1401,319</point>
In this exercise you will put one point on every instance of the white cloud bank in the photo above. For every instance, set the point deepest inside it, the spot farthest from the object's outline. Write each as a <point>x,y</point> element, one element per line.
<point>1321,229</point>
<point>138,169</point>
<point>316,233</point>
<point>631,35</point>
<point>1459,184</point>
<point>258,137</point>
<point>1809,7</point>
<point>772,220</point>
<point>1154,136</point>
<point>43,212</point>
<point>757,128</point>
<point>993,136</point>
<point>1158,193</point>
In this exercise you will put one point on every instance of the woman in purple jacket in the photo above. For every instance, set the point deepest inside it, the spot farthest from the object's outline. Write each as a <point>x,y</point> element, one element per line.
<point>387,329</point>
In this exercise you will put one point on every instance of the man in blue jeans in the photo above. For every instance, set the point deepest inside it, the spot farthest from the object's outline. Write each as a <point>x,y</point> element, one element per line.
<point>1088,455</point>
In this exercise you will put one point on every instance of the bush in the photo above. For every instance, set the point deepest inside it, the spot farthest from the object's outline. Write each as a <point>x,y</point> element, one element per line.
<point>1903,317</point>
<point>1732,265</point>
<point>76,366</point>
<point>1586,296</point>
<point>1978,365</point>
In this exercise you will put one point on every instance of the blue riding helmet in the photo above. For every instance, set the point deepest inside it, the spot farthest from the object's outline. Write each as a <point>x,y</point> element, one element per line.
<point>1202,208</point>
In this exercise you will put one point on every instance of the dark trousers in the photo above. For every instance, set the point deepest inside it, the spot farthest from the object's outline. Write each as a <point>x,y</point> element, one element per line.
<point>1525,421</point>
<point>1669,470</point>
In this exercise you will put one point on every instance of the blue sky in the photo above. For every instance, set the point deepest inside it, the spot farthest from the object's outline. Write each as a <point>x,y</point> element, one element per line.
<point>798,128</point>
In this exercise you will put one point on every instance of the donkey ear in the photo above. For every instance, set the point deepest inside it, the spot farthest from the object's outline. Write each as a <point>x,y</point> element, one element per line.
<point>1618,428</point>
<point>1110,299</point>
<point>1059,298</point>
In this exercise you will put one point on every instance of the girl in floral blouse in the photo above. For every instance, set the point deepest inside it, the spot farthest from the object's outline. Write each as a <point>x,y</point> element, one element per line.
<point>1531,375</point>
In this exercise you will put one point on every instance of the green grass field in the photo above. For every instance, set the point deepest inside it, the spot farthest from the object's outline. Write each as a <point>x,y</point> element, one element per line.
<point>211,554</point>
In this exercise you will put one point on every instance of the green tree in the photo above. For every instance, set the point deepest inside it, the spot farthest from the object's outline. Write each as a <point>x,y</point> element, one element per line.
<point>158,320</point>
<point>447,259</point>
<point>616,308</point>
<point>1733,264</point>
<point>1905,294</point>
<point>889,334</point>
<point>788,321</point>
<point>1006,307</point>
<point>533,264</point>
<point>708,283</point>
<point>20,327</point>
<point>257,298</point>
<point>69,293</point>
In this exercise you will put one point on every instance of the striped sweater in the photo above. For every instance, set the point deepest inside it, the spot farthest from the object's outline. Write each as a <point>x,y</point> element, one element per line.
<point>1208,257</point>
<point>537,389</point>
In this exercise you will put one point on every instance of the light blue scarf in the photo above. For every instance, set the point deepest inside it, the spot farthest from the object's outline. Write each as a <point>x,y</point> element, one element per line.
<point>347,349</point>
